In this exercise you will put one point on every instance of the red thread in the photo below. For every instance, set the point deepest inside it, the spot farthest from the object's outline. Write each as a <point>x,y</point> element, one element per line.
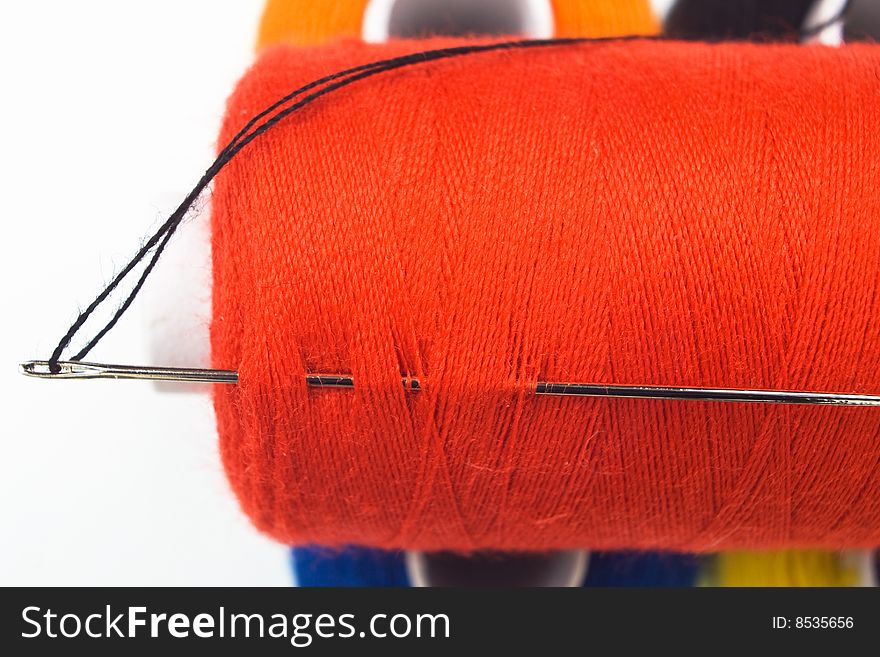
<point>645,213</point>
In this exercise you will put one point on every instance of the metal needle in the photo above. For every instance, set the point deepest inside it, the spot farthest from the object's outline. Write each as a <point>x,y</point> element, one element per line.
<point>79,370</point>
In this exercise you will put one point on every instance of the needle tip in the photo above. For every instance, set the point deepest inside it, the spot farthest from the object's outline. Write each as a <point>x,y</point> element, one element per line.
<point>63,370</point>
<point>37,368</point>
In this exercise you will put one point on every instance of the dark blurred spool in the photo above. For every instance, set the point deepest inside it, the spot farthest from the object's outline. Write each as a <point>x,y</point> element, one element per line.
<point>771,20</point>
<point>863,21</point>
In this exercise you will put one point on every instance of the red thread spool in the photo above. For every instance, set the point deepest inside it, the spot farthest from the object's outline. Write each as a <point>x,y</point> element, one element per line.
<point>643,212</point>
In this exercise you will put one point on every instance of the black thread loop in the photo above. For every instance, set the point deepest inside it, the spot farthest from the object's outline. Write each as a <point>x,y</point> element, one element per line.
<point>264,121</point>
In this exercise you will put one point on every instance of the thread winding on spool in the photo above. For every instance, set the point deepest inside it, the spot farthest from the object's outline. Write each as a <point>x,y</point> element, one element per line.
<point>765,21</point>
<point>361,566</point>
<point>653,213</point>
<point>356,566</point>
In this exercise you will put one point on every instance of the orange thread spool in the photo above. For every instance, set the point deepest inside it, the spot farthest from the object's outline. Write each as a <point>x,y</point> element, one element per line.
<point>312,22</point>
<point>644,212</point>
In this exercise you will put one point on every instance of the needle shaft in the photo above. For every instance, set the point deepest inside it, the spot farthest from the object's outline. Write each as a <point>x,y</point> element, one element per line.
<point>80,370</point>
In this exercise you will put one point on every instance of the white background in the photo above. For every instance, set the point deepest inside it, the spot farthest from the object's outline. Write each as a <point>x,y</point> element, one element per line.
<point>109,111</point>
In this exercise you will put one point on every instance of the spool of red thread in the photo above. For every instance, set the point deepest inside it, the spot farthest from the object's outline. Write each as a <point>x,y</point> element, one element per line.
<point>641,212</point>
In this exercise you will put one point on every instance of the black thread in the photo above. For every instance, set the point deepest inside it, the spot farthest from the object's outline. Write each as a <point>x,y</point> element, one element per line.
<point>248,133</point>
<point>254,128</point>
